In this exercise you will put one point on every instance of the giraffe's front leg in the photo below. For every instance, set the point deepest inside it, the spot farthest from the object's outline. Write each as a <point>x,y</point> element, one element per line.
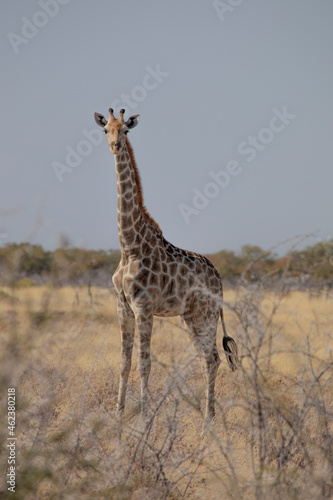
<point>144,321</point>
<point>127,326</point>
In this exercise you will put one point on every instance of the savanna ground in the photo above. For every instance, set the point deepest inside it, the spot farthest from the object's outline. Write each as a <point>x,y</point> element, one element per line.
<point>60,349</point>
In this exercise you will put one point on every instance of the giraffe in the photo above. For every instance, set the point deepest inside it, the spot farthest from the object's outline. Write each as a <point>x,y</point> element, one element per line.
<point>155,278</point>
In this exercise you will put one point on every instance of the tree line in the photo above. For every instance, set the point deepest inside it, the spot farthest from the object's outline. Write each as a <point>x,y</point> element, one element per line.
<point>25,263</point>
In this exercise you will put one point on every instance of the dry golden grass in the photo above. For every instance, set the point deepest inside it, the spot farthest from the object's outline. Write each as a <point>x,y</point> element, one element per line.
<point>273,430</point>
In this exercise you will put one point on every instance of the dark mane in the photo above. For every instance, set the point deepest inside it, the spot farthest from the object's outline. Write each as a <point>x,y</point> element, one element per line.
<point>142,207</point>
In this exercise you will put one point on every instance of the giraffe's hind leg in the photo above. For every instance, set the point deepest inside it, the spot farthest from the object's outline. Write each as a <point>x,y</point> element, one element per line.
<point>212,364</point>
<point>202,324</point>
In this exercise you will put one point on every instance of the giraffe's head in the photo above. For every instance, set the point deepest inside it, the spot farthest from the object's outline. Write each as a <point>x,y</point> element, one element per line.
<point>116,129</point>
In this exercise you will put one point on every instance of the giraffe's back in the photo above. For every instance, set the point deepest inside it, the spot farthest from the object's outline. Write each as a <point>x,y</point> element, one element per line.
<point>189,280</point>
<point>173,281</point>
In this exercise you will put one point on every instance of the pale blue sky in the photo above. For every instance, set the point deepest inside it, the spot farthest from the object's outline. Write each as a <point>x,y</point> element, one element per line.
<point>206,84</point>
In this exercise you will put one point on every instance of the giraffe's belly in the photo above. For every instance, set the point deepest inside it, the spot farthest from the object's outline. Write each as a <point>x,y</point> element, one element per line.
<point>168,309</point>
<point>172,305</point>
<point>198,300</point>
<point>172,298</point>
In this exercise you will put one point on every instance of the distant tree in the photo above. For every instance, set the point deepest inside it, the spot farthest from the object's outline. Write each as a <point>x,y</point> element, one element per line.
<point>251,253</point>
<point>316,260</point>
<point>34,260</point>
<point>228,264</point>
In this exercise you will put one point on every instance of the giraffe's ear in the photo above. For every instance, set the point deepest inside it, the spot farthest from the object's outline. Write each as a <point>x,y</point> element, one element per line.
<point>100,120</point>
<point>132,121</point>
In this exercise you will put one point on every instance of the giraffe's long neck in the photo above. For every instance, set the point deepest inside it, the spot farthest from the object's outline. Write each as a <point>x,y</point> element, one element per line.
<point>130,218</point>
<point>133,216</point>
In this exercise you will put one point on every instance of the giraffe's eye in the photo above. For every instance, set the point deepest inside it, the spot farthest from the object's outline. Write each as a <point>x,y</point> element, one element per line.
<point>105,131</point>
<point>126,132</point>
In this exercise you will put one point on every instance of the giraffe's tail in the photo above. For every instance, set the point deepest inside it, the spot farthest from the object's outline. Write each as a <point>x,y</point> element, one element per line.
<point>229,346</point>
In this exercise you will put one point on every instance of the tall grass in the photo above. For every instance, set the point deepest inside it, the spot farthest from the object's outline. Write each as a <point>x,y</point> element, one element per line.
<point>272,435</point>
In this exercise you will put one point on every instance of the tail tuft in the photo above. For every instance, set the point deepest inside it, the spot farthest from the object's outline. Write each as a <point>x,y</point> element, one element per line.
<point>229,346</point>
<point>231,352</point>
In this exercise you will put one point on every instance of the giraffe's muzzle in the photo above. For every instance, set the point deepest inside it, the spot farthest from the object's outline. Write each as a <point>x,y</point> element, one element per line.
<point>115,145</point>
